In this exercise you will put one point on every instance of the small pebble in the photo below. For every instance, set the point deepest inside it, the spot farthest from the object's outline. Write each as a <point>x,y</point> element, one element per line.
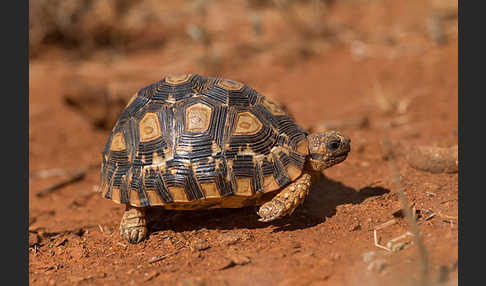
<point>399,246</point>
<point>229,238</point>
<point>335,256</point>
<point>377,265</point>
<point>434,159</point>
<point>239,259</point>
<point>431,187</point>
<point>355,226</point>
<point>233,260</point>
<point>201,244</point>
<point>368,256</point>
<point>364,164</point>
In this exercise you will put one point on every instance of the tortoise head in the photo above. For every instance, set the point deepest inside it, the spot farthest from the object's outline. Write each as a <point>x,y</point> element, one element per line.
<point>327,149</point>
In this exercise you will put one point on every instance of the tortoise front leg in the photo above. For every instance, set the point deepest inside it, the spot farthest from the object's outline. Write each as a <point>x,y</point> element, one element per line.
<point>133,225</point>
<point>285,202</point>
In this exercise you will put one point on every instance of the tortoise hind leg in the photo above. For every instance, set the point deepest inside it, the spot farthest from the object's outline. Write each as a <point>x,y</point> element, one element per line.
<point>285,202</point>
<point>133,226</point>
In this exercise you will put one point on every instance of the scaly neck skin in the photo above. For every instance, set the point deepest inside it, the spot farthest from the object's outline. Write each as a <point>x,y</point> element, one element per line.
<point>311,171</point>
<point>310,168</point>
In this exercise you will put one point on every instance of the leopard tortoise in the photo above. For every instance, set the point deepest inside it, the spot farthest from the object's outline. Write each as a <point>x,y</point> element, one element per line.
<point>189,142</point>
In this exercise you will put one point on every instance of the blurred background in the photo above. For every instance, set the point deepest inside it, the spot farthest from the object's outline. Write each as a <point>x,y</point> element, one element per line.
<point>372,68</point>
<point>120,46</point>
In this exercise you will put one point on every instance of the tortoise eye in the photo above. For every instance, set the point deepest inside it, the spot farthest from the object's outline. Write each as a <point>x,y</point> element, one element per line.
<point>333,145</point>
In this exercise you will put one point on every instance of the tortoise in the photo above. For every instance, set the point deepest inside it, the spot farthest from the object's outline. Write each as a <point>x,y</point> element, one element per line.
<point>190,142</point>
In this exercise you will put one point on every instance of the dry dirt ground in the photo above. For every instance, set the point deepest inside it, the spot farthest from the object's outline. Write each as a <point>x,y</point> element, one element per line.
<point>375,69</point>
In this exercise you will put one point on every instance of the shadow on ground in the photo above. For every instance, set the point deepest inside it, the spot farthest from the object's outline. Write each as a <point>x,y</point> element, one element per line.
<point>323,199</point>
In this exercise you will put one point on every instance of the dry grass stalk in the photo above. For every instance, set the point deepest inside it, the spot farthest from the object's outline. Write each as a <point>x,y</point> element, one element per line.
<point>408,214</point>
<point>377,242</point>
<point>162,257</point>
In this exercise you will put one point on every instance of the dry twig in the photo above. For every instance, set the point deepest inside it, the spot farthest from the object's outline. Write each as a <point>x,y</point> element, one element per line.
<point>377,243</point>
<point>446,216</point>
<point>385,224</point>
<point>77,176</point>
<point>408,233</point>
<point>121,244</point>
<point>429,217</point>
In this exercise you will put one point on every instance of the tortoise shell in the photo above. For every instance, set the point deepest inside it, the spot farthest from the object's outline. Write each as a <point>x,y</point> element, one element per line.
<point>188,142</point>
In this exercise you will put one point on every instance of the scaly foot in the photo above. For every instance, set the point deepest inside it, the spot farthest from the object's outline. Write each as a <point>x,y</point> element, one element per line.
<point>133,226</point>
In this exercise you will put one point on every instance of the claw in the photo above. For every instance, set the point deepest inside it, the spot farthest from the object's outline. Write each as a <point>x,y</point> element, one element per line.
<point>133,226</point>
<point>135,235</point>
